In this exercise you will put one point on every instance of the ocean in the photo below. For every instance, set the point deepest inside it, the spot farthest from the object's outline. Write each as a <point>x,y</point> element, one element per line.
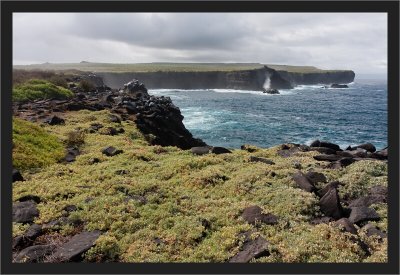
<point>231,118</point>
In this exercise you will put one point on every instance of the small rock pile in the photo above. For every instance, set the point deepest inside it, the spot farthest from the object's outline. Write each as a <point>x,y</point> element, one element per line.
<point>333,154</point>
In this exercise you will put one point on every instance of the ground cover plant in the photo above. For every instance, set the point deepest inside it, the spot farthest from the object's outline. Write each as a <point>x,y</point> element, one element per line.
<point>164,204</point>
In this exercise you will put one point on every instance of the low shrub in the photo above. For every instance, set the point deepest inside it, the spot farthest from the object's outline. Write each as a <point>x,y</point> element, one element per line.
<point>39,89</point>
<point>86,85</point>
<point>76,138</point>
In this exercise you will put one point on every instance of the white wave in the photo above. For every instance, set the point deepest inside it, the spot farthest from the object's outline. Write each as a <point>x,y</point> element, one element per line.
<point>176,90</point>
<point>308,87</point>
<point>260,93</point>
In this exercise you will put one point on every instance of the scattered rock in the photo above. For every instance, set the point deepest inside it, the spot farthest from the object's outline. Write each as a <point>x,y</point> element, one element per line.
<point>343,162</point>
<point>94,127</point>
<point>330,204</point>
<point>70,208</point>
<point>315,177</point>
<point>346,225</point>
<point>28,237</point>
<point>323,150</point>
<point>271,91</point>
<point>367,146</point>
<point>134,86</point>
<point>378,190</point>
<point>111,131</point>
<point>326,188</point>
<point>56,223</point>
<point>34,198</point>
<point>200,150</point>
<point>332,146</point>
<point>55,120</point>
<point>76,246</point>
<point>372,230</point>
<point>327,157</point>
<point>248,148</point>
<point>220,150</point>
<point>382,154</point>
<point>16,175</point>
<point>362,214</point>
<point>346,154</point>
<point>72,153</point>
<point>115,118</point>
<point>263,160</point>
<point>339,86</point>
<point>34,254</point>
<point>285,153</point>
<point>367,200</point>
<point>111,151</point>
<point>303,182</point>
<point>253,215</point>
<point>94,160</point>
<point>359,152</point>
<point>24,212</point>
<point>251,249</point>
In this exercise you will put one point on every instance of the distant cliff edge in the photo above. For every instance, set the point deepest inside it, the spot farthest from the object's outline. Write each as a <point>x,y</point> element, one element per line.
<point>241,76</point>
<point>254,79</point>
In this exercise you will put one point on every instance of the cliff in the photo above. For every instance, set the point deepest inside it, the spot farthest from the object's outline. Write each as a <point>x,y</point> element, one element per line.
<point>242,76</point>
<point>242,80</point>
<point>253,79</point>
<point>323,77</point>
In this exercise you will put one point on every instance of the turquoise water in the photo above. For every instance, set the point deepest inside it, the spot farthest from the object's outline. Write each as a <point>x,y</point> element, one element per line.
<point>231,118</point>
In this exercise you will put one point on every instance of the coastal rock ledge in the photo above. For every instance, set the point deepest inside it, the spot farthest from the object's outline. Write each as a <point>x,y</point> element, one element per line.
<point>156,117</point>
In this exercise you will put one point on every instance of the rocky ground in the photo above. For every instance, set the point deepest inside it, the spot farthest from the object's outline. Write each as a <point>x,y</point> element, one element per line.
<point>137,187</point>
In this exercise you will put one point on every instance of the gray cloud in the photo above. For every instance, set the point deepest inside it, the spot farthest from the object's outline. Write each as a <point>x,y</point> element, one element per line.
<point>326,40</point>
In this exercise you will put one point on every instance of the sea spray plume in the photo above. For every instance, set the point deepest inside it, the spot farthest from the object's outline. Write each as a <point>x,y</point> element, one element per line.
<point>267,82</point>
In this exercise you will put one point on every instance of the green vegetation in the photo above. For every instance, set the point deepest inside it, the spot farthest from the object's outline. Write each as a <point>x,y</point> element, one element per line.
<point>39,89</point>
<point>166,67</point>
<point>33,146</point>
<point>301,69</point>
<point>86,85</point>
<point>142,67</point>
<point>182,190</point>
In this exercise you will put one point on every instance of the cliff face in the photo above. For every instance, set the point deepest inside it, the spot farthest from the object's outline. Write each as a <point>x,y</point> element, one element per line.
<point>241,80</point>
<point>318,78</point>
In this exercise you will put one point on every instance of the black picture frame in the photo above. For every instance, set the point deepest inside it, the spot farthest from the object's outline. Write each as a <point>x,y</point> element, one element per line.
<point>389,7</point>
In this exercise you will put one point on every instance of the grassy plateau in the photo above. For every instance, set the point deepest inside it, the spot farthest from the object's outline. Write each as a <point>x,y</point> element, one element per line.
<point>166,67</point>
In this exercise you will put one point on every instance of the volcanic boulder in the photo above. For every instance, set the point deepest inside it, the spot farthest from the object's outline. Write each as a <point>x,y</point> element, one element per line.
<point>251,249</point>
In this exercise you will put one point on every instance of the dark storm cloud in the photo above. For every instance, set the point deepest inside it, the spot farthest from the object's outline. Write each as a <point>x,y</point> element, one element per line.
<point>174,31</point>
<point>326,40</point>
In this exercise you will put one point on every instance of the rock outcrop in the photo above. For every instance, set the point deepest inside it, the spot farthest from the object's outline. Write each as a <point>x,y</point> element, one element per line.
<point>156,117</point>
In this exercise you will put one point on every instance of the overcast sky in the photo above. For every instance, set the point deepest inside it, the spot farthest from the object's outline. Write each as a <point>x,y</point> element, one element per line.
<point>356,41</point>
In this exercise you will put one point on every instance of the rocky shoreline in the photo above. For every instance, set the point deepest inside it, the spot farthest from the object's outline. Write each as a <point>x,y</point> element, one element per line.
<point>157,117</point>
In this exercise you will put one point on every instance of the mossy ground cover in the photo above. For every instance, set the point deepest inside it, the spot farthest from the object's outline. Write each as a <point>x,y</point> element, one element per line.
<point>182,191</point>
<point>33,146</point>
<point>39,89</point>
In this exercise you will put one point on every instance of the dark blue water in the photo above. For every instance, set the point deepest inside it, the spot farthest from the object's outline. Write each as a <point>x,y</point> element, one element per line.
<point>231,118</point>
